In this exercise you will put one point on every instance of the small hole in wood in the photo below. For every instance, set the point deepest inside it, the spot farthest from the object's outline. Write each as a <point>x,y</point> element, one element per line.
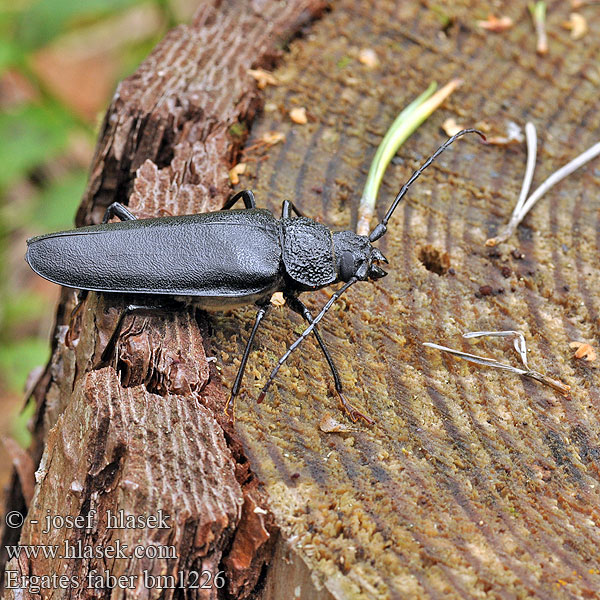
<point>434,260</point>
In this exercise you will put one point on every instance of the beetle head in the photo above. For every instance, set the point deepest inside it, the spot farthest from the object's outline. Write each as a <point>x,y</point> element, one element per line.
<point>356,257</point>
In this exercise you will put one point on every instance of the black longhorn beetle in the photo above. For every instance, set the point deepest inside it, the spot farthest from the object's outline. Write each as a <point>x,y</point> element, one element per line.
<point>219,259</point>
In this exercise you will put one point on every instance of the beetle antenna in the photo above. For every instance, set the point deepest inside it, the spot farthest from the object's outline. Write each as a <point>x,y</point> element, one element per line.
<point>304,335</point>
<point>381,228</point>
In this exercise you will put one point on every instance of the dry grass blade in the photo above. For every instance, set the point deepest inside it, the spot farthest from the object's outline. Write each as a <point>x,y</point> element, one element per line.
<point>401,129</point>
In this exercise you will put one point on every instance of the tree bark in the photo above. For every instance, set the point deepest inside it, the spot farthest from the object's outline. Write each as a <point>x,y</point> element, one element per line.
<point>152,440</point>
<point>473,483</point>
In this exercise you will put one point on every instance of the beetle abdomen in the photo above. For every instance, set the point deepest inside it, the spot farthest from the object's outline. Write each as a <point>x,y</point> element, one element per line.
<point>223,254</point>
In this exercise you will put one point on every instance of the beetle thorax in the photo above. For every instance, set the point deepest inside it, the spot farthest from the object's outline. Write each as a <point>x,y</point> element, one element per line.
<point>308,255</point>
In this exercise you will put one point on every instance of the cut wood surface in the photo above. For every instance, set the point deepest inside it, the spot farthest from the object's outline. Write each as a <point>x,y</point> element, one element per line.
<point>473,483</point>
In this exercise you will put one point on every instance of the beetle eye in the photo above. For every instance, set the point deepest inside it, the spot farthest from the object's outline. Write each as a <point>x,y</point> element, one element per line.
<point>346,269</point>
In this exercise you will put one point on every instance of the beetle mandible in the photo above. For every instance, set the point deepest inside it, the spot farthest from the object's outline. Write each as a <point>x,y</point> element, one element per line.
<point>231,257</point>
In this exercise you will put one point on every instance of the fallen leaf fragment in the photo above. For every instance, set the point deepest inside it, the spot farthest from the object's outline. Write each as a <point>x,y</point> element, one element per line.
<point>263,78</point>
<point>15,90</point>
<point>577,24</point>
<point>80,68</point>
<point>451,127</point>
<point>235,172</point>
<point>583,350</point>
<point>514,135</point>
<point>298,115</point>
<point>272,137</point>
<point>495,24</point>
<point>368,57</point>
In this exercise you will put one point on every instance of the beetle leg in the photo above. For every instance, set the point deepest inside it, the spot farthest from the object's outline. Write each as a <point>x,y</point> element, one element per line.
<point>238,379</point>
<point>297,306</point>
<point>129,310</point>
<point>116,209</point>
<point>246,195</point>
<point>286,210</point>
<point>305,334</point>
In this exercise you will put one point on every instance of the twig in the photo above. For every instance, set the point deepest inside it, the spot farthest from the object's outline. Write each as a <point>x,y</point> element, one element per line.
<point>402,128</point>
<point>521,348</point>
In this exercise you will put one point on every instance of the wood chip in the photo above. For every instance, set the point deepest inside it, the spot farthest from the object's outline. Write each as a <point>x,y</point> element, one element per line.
<point>263,78</point>
<point>495,24</point>
<point>368,57</point>
<point>584,350</point>
<point>236,171</point>
<point>277,299</point>
<point>577,24</point>
<point>451,127</point>
<point>514,135</point>
<point>330,425</point>
<point>298,115</point>
<point>272,137</point>
<point>483,126</point>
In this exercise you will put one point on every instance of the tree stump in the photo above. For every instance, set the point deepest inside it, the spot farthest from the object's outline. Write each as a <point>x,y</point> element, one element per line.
<point>473,483</point>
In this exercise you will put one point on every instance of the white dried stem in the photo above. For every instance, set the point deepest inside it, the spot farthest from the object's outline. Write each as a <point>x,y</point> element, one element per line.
<point>522,208</point>
<point>518,343</point>
<point>521,348</point>
<point>480,360</point>
<point>559,175</point>
<point>516,217</point>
